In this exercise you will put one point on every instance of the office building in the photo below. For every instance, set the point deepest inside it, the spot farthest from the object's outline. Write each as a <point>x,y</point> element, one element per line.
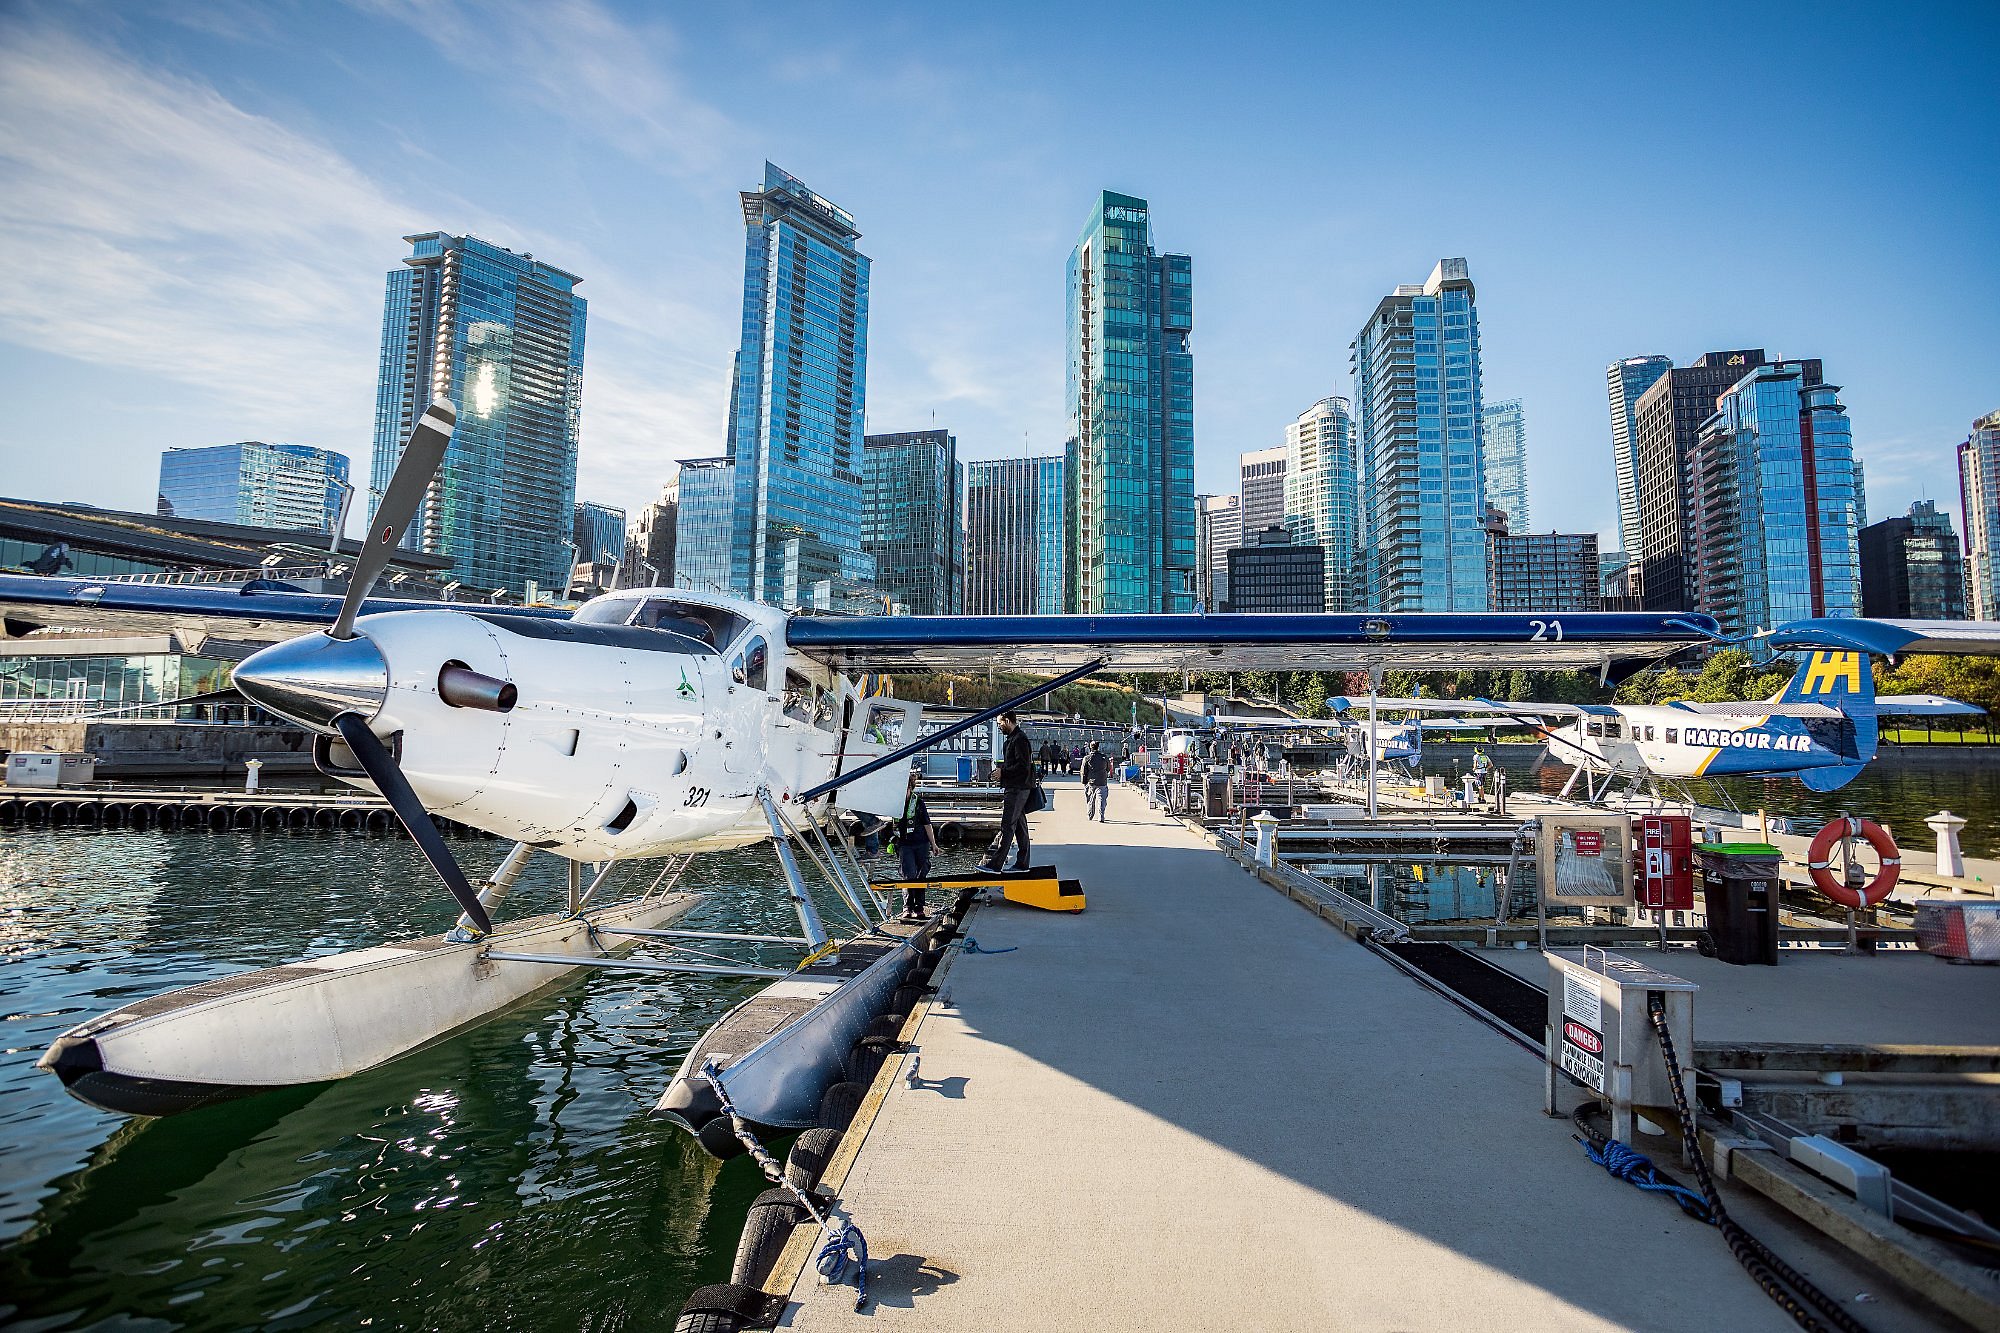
<point>1539,572</point>
<point>911,521</point>
<point>1323,495</point>
<point>1504,442</point>
<point>1775,504</point>
<point>1261,475</point>
<point>1666,418</point>
<point>1417,433</point>
<point>796,399</point>
<point>705,524</point>
<point>1218,529</point>
<point>1911,568</point>
<point>290,486</point>
<point>1131,510</point>
<point>1272,572</point>
<point>1015,533</point>
<point>501,335</point>
<point>1979,494</point>
<point>598,532</point>
<point>649,542</point>
<point>1625,382</point>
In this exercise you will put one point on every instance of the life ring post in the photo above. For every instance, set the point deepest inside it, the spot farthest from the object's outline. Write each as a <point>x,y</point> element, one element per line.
<point>1843,887</point>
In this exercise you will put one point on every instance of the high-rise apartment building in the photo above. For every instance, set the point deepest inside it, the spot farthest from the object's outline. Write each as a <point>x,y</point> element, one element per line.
<point>1323,495</point>
<point>705,524</point>
<point>1911,568</point>
<point>1271,572</point>
<point>910,518</point>
<point>1261,477</point>
<point>1131,511</point>
<point>1775,503</point>
<point>796,398</point>
<point>1218,530</point>
<point>1015,532</point>
<point>1666,418</point>
<point>501,335</point>
<point>649,546</point>
<point>256,484</point>
<point>1979,494</point>
<point>1503,432</point>
<point>1539,572</point>
<point>1417,426</point>
<point>1625,382</point>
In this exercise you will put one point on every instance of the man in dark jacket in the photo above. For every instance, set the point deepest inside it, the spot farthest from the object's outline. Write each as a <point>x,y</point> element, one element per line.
<point>1017,785</point>
<point>1096,783</point>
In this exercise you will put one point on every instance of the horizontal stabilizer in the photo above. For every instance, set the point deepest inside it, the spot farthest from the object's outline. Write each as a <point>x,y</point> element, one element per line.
<point>1925,705</point>
<point>1830,779</point>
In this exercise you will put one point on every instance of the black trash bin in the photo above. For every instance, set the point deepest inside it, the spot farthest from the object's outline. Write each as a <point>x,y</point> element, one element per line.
<point>1740,888</point>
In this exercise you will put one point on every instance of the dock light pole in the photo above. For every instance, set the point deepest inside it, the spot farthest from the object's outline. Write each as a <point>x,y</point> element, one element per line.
<point>1374,737</point>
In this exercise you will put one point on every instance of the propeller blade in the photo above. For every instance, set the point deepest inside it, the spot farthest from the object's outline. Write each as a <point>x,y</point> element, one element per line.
<point>1541,759</point>
<point>227,694</point>
<point>376,762</point>
<point>422,457</point>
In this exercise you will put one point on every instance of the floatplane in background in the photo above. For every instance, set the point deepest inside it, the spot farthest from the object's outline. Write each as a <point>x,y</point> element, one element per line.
<point>648,726</point>
<point>1822,727</point>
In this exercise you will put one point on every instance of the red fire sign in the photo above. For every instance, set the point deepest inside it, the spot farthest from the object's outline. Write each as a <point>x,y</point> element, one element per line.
<point>1588,842</point>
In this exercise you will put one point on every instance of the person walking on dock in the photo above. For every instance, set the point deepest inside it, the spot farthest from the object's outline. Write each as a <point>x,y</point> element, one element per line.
<point>1096,783</point>
<point>916,840</point>
<point>1017,786</point>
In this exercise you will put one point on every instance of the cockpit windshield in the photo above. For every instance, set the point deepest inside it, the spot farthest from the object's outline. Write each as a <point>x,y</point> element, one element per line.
<point>710,628</point>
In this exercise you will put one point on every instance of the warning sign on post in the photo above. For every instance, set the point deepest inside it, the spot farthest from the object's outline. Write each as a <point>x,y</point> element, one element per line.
<point>1582,1051</point>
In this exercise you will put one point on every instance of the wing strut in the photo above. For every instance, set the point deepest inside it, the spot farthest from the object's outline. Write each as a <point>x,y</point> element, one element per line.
<point>926,742</point>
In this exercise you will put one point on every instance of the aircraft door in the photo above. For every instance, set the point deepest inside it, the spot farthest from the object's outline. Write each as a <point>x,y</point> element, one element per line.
<point>880,726</point>
<point>741,718</point>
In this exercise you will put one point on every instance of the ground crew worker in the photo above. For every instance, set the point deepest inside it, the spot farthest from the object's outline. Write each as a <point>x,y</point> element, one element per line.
<point>1017,785</point>
<point>916,840</point>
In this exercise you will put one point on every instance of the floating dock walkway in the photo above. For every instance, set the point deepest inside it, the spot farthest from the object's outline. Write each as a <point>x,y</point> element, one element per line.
<point>1196,1106</point>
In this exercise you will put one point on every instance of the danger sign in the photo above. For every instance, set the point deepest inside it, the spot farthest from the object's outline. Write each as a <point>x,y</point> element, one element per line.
<point>1578,1035</point>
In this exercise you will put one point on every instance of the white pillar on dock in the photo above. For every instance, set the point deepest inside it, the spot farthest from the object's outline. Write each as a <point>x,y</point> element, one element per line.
<point>1374,739</point>
<point>250,767</point>
<point>1950,861</point>
<point>1267,836</point>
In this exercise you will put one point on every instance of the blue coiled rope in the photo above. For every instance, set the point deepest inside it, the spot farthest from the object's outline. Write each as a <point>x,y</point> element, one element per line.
<point>970,945</point>
<point>843,1249</point>
<point>1635,1168</point>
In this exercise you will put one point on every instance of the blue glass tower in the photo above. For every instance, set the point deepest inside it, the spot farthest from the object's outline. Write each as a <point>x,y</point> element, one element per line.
<point>1503,429</point>
<point>1130,512</point>
<point>1323,495</point>
<point>706,525</point>
<point>796,398</point>
<point>1776,504</point>
<point>501,335</point>
<point>911,522</point>
<point>1417,428</point>
<point>1015,563</point>
<point>256,484</point>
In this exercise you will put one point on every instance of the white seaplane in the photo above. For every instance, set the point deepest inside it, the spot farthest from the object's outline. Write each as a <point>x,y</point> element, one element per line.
<point>647,726</point>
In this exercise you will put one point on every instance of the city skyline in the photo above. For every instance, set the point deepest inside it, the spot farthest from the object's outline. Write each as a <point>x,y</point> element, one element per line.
<point>141,328</point>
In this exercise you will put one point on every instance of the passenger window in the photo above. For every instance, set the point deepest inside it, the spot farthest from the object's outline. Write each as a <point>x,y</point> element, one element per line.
<point>885,726</point>
<point>1613,730</point>
<point>798,697</point>
<point>1673,735</point>
<point>824,708</point>
<point>1594,729</point>
<point>1649,733</point>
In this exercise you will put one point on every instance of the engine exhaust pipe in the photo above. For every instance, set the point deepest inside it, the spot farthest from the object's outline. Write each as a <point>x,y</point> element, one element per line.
<point>462,687</point>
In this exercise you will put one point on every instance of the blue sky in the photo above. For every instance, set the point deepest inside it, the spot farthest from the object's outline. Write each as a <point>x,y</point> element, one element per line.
<point>198,202</point>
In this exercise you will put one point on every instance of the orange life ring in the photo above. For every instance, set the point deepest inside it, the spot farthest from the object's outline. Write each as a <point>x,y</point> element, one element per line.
<point>1819,860</point>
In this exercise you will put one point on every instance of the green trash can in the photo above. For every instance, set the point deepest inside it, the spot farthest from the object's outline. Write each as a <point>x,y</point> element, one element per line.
<point>1740,890</point>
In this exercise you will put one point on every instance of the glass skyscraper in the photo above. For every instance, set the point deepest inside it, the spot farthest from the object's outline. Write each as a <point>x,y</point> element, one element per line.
<point>501,335</point>
<point>1261,482</point>
<point>796,400</point>
<point>1323,495</point>
<point>1775,503</point>
<point>1504,440</point>
<point>1911,568</point>
<point>599,533</point>
<point>1131,512</point>
<point>1416,385</point>
<point>705,526</point>
<point>911,521</point>
<point>1625,381</point>
<point>1979,493</point>
<point>256,484</point>
<point>1218,531</point>
<point>1015,557</point>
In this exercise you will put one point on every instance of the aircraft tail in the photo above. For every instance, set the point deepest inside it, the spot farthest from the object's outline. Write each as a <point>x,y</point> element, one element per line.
<point>1844,681</point>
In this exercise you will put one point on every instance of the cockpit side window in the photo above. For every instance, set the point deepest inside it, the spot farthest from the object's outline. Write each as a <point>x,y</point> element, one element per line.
<point>798,697</point>
<point>752,666</point>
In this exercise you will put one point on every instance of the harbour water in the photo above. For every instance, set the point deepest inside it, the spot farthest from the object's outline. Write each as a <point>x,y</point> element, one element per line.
<point>506,1178</point>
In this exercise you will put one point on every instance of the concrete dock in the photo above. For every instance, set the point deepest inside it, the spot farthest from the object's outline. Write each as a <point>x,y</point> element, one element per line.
<point>1196,1106</point>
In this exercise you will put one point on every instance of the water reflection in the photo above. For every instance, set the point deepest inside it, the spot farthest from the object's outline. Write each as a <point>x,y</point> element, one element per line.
<point>508,1177</point>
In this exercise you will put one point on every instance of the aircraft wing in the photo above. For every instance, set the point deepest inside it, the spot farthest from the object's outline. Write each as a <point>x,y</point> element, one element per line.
<point>195,612</point>
<point>1762,708</point>
<point>1925,705</point>
<point>1245,642</point>
<point>1497,714</point>
<point>1887,638</point>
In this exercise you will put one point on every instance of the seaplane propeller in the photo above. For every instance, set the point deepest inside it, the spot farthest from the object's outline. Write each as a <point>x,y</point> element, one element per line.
<point>338,680</point>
